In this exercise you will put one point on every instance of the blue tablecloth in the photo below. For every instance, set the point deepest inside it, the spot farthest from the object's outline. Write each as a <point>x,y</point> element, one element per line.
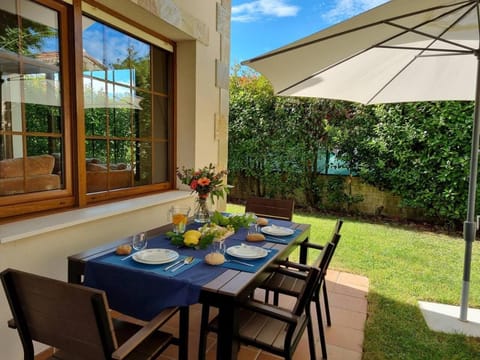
<point>143,290</point>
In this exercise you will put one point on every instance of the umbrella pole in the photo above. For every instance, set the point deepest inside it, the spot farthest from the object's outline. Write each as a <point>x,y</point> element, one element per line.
<point>469,226</point>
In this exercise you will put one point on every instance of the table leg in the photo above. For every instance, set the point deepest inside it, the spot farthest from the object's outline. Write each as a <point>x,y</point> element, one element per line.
<point>227,344</point>
<point>303,252</point>
<point>183,341</point>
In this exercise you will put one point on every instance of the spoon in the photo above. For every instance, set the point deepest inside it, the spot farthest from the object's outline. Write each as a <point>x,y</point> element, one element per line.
<point>187,261</point>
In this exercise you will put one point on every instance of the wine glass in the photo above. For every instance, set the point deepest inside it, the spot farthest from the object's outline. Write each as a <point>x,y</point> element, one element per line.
<point>139,241</point>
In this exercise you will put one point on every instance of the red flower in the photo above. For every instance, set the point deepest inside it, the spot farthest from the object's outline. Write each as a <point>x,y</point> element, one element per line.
<point>193,184</point>
<point>204,181</point>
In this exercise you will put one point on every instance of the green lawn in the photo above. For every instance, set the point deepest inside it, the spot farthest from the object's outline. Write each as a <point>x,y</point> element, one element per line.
<point>403,266</point>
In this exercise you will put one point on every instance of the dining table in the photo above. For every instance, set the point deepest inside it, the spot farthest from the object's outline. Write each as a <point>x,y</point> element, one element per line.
<point>142,290</point>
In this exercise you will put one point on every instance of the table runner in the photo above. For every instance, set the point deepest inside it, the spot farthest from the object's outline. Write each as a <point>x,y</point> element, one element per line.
<point>142,290</point>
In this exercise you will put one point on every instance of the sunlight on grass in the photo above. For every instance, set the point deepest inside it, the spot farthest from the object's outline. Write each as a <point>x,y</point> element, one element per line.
<point>403,266</point>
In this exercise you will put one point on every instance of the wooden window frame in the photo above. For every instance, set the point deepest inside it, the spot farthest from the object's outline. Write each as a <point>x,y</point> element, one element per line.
<point>75,194</point>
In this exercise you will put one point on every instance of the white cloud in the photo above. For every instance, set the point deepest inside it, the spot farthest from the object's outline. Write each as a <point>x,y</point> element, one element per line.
<point>343,9</point>
<point>254,10</point>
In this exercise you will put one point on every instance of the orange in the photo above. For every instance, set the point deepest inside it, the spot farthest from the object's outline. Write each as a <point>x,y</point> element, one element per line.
<point>179,218</point>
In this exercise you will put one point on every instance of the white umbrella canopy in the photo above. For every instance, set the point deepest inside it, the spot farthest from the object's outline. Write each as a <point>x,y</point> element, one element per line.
<point>376,56</point>
<point>401,51</point>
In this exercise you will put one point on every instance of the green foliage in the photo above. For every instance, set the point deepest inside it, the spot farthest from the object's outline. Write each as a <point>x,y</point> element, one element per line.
<point>419,151</point>
<point>276,140</point>
<point>235,221</point>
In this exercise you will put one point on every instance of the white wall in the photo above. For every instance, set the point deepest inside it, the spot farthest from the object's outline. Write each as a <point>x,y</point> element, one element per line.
<point>42,245</point>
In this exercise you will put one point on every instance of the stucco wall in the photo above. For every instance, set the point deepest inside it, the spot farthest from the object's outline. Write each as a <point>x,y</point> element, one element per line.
<point>42,245</point>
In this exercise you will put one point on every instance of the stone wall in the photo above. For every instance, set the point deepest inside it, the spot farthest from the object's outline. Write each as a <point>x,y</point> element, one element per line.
<point>375,202</point>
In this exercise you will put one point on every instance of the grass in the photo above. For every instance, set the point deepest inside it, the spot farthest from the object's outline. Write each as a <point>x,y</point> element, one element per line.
<point>404,266</point>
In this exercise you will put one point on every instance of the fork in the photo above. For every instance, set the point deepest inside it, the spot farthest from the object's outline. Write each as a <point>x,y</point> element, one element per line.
<point>187,261</point>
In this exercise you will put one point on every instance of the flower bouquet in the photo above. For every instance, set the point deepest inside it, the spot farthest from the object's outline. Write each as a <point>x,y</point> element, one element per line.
<point>205,182</point>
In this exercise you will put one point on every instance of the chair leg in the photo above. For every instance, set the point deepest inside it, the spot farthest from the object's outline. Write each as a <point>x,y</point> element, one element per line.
<point>275,297</point>
<point>321,330</point>
<point>202,344</point>
<point>311,338</point>
<point>327,307</point>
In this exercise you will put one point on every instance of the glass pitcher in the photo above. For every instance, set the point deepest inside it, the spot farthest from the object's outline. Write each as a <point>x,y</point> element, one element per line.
<point>178,215</point>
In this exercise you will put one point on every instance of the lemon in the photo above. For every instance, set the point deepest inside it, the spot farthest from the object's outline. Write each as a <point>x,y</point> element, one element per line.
<point>193,233</point>
<point>191,240</point>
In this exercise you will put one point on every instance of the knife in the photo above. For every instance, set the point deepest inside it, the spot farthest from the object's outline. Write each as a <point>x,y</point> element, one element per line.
<point>172,265</point>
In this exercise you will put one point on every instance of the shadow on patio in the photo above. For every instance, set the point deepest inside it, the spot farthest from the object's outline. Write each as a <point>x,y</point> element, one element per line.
<point>348,306</point>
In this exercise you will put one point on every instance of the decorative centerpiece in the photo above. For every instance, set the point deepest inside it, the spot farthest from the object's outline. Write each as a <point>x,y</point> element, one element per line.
<point>202,237</point>
<point>205,182</point>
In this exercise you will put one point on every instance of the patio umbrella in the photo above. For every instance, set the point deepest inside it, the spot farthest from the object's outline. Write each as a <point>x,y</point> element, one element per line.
<point>401,51</point>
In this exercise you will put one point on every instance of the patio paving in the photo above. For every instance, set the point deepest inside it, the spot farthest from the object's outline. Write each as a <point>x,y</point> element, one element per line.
<point>348,309</point>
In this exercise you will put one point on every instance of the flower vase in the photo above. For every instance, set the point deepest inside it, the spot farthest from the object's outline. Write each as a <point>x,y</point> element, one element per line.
<point>202,215</point>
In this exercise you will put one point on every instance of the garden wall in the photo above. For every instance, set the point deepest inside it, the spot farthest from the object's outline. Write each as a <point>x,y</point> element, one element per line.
<point>375,202</point>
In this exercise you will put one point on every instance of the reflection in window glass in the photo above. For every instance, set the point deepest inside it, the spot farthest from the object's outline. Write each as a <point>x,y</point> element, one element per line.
<point>122,76</point>
<point>31,127</point>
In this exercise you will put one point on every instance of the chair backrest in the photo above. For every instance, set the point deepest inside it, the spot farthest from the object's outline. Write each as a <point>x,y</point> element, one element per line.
<point>338,226</point>
<point>314,278</point>
<point>334,240</point>
<point>69,317</point>
<point>273,208</point>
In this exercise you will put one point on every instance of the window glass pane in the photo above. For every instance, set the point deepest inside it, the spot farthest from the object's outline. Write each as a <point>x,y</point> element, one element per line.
<point>160,107</point>
<point>96,121</point>
<point>120,119</point>
<point>160,173</point>
<point>120,153</point>
<point>160,63</point>
<point>96,150</point>
<point>143,161</point>
<point>43,118</point>
<point>142,124</point>
<point>31,127</point>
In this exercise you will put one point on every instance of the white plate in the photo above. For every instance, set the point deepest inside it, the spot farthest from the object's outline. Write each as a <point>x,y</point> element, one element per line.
<point>247,252</point>
<point>277,230</point>
<point>155,256</point>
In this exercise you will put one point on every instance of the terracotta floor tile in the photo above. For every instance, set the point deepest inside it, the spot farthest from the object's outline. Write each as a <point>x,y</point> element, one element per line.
<point>346,290</point>
<point>352,280</point>
<point>347,302</point>
<point>347,338</point>
<point>347,318</point>
<point>339,353</point>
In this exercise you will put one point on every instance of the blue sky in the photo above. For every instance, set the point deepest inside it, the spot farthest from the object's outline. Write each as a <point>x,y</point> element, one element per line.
<point>259,26</point>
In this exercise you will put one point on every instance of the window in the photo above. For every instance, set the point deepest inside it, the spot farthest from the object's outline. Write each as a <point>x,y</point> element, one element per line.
<point>127,99</point>
<point>127,96</point>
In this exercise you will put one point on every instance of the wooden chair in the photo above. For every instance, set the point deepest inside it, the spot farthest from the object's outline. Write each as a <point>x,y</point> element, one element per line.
<point>272,208</point>
<point>284,281</point>
<point>76,322</point>
<point>270,327</point>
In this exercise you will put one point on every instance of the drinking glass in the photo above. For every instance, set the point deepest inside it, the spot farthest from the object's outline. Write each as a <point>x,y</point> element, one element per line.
<point>139,241</point>
<point>219,246</point>
<point>179,218</point>
<point>252,225</point>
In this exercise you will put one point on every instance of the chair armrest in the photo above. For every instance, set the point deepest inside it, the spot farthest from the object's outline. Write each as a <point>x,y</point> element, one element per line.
<point>12,324</point>
<point>270,310</point>
<point>294,265</point>
<point>292,273</point>
<point>308,244</point>
<point>128,346</point>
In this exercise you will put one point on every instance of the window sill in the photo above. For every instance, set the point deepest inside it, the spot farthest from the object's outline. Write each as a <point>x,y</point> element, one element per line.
<point>37,226</point>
